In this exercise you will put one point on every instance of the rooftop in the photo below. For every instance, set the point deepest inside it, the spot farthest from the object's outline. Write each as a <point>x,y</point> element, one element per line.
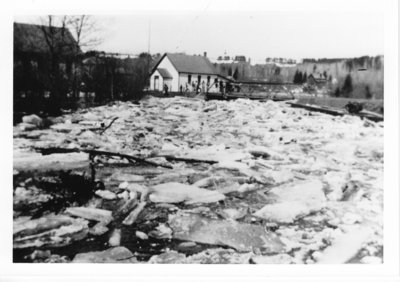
<point>190,64</point>
<point>32,38</point>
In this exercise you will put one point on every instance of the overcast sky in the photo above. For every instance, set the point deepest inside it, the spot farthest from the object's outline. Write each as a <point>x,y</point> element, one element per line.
<point>256,35</point>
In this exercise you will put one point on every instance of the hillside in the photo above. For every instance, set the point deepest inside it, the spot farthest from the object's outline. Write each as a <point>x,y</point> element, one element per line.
<point>364,71</point>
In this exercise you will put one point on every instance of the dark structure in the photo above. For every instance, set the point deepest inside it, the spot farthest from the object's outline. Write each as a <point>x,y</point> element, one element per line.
<point>45,59</point>
<point>52,73</point>
<point>240,59</point>
<point>107,77</point>
<point>316,80</point>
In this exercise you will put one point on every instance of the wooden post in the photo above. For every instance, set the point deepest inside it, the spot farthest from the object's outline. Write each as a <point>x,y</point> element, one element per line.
<point>92,167</point>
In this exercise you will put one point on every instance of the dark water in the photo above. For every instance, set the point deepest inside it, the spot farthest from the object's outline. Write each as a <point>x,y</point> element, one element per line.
<point>57,184</point>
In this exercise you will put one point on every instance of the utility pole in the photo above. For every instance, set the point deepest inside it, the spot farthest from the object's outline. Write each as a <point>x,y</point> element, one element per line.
<point>148,44</point>
<point>148,57</point>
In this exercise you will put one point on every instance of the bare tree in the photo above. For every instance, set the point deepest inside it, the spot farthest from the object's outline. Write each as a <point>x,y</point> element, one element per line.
<point>55,34</point>
<point>65,37</point>
<point>83,28</point>
<point>86,30</point>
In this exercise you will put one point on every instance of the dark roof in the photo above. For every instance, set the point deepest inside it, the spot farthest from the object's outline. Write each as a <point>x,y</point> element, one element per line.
<point>31,38</point>
<point>164,73</point>
<point>189,64</point>
<point>317,79</point>
<point>240,58</point>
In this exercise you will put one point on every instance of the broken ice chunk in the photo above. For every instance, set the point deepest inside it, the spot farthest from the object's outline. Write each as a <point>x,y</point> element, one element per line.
<point>105,194</point>
<point>104,216</point>
<point>293,201</point>
<point>98,229</point>
<point>141,235</point>
<point>115,238</point>
<point>52,230</point>
<point>174,192</point>
<point>240,236</point>
<point>346,246</point>
<point>113,255</point>
<point>275,259</point>
<point>162,231</point>
<point>219,256</point>
<point>168,257</point>
<point>127,177</point>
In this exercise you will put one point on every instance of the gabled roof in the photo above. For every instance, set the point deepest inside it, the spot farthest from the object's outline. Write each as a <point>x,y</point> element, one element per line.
<point>31,38</point>
<point>317,78</point>
<point>164,73</point>
<point>189,64</point>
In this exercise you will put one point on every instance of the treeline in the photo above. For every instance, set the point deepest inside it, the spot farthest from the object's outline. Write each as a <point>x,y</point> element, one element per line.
<point>364,62</point>
<point>51,72</point>
<point>300,77</point>
<point>323,60</point>
<point>231,70</point>
<point>366,74</point>
<point>346,90</point>
<point>92,78</point>
<point>110,78</point>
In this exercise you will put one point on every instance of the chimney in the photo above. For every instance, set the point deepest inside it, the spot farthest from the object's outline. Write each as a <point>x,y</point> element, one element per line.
<point>205,54</point>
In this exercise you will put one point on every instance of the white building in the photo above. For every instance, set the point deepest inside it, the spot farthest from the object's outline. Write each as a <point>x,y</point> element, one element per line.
<point>185,73</point>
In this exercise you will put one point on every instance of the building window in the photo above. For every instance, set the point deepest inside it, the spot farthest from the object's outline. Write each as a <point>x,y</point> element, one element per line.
<point>34,64</point>
<point>208,79</point>
<point>189,78</point>
<point>69,67</point>
<point>62,67</point>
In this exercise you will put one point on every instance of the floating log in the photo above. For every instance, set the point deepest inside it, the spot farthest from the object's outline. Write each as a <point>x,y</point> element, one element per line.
<point>187,160</point>
<point>56,150</point>
<point>336,112</point>
<point>109,125</point>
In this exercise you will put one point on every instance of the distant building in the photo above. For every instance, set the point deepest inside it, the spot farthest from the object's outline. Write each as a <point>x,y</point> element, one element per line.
<point>240,59</point>
<point>224,60</point>
<point>31,39</point>
<point>33,61</point>
<point>181,72</point>
<point>230,60</point>
<point>281,61</point>
<point>316,79</point>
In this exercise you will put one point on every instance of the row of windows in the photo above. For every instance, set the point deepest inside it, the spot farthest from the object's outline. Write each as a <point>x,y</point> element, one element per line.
<point>199,79</point>
<point>41,65</point>
<point>47,94</point>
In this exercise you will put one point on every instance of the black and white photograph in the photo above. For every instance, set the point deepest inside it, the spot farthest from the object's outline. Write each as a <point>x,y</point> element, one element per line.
<point>212,135</point>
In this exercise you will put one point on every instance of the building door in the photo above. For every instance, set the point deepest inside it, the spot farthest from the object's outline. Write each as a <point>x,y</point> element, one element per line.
<point>156,83</point>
